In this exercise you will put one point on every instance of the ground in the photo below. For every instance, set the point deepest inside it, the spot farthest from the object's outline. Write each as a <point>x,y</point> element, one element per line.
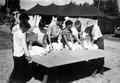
<point>112,45</point>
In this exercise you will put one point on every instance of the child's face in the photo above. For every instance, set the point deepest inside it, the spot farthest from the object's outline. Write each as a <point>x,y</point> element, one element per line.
<point>59,23</point>
<point>69,26</point>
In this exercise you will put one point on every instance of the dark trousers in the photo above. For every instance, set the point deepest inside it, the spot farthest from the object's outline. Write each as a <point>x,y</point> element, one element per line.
<point>20,70</point>
<point>100,43</point>
<point>100,61</point>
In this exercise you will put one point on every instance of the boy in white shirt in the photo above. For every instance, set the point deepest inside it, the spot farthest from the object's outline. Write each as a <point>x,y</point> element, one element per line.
<point>97,38</point>
<point>21,54</point>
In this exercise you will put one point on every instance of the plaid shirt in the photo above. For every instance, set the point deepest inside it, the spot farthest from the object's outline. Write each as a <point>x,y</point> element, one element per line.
<point>67,34</point>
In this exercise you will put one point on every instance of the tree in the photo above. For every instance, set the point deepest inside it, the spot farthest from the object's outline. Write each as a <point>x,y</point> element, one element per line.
<point>12,4</point>
<point>107,6</point>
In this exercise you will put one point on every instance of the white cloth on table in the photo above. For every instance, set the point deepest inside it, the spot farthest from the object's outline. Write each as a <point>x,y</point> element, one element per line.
<point>77,46</point>
<point>74,46</point>
<point>57,46</point>
<point>88,45</point>
<point>36,50</point>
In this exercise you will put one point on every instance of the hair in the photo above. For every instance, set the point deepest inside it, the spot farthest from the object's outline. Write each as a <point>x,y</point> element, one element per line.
<point>47,18</point>
<point>77,22</point>
<point>24,25</point>
<point>60,18</point>
<point>68,22</point>
<point>23,17</point>
<point>42,24</point>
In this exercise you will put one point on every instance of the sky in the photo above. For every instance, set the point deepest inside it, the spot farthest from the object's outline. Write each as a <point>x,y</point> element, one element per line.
<point>27,4</point>
<point>119,4</point>
<point>2,2</point>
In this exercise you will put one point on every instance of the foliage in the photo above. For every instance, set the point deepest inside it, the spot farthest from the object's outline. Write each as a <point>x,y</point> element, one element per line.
<point>107,6</point>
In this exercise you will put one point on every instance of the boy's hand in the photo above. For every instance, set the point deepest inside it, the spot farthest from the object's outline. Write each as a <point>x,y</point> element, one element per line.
<point>30,47</point>
<point>29,59</point>
<point>70,48</point>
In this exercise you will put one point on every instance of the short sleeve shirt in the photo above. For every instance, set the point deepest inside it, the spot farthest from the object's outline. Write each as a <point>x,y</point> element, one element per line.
<point>66,33</point>
<point>18,37</point>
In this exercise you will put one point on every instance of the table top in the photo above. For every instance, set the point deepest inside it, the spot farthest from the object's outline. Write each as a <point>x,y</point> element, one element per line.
<point>63,57</point>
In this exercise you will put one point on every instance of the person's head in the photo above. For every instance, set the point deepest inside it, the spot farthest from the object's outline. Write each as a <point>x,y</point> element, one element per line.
<point>47,18</point>
<point>23,17</point>
<point>42,24</point>
<point>24,26</point>
<point>77,25</point>
<point>68,24</point>
<point>60,20</point>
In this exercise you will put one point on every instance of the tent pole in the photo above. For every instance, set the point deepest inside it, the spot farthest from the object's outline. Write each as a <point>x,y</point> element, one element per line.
<point>98,4</point>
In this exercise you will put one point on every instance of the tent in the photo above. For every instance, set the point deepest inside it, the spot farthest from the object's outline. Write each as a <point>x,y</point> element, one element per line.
<point>65,10</point>
<point>45,10</point>
<point>81,10</point>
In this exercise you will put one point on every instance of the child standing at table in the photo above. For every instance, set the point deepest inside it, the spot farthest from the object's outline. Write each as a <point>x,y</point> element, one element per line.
<point>54,33</point>
<point>38,39</point>
<point>78,26</point>
<point>66,34</point>
<point>21,54</point>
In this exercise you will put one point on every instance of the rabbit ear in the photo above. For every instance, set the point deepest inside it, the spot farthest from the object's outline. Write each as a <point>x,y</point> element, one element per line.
<point>37,20</point>
<point>31,21</point>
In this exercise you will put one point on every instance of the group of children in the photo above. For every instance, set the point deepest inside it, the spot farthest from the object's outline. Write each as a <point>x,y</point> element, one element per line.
<point>49,36</point>
<point>55,36</point>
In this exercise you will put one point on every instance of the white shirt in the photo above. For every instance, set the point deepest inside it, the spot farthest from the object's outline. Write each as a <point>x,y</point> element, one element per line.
<point>96,33</point>
<point>40,34</point>
<point>74,31</point>
<point>19,42</point>
<point>15,28</point>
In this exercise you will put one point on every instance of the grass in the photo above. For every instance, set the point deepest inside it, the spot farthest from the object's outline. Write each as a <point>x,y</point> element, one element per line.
<point>111,37</point>
<point>6,61</point>
<point>5,40</point>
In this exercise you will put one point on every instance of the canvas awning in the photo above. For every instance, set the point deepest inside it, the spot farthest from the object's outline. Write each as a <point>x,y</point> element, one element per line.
<point>65,10</point>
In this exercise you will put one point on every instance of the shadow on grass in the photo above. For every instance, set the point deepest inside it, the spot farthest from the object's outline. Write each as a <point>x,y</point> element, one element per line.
<point>5,40</point>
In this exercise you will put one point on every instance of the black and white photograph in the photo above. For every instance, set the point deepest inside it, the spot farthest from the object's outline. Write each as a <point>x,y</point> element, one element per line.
<point>59,41</point>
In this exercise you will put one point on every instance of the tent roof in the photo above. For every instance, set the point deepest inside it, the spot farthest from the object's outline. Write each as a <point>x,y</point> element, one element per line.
<point>81,10</point>
<point>66,10</point>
